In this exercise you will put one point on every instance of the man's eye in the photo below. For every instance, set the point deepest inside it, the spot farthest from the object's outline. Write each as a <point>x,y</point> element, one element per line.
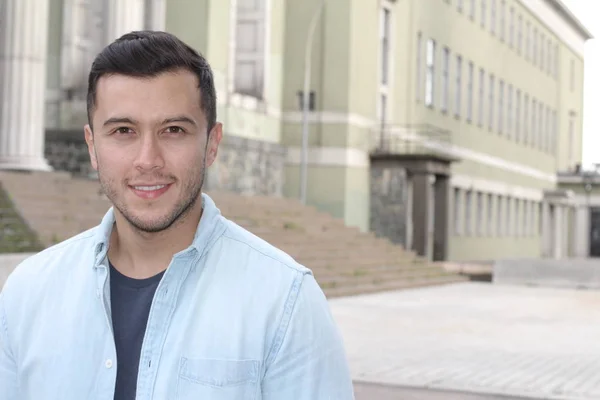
<point>175,129</point>
<point>123,130</point>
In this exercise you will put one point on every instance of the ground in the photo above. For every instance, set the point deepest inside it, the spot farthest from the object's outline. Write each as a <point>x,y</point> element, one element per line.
<point>476,338</point>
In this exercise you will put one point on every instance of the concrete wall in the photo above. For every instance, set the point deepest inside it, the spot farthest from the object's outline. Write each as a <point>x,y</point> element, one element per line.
<point>389,201</point>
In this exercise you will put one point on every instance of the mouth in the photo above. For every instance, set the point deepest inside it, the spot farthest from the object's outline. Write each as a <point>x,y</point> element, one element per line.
<point>149,192</point>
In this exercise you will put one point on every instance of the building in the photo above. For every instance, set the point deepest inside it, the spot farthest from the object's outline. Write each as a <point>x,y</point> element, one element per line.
<point>441,124</point>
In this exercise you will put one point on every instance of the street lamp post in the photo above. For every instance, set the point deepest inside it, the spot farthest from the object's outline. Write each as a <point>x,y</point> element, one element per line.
<point>305,101</point>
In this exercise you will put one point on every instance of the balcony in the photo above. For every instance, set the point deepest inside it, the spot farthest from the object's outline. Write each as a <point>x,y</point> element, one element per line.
<point>411,141</point>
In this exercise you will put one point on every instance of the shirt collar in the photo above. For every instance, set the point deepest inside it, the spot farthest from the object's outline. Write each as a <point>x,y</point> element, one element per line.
<point>209,228</point>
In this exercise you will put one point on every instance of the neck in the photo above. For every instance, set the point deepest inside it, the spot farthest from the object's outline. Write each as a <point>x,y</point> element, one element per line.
<point>139,254</point>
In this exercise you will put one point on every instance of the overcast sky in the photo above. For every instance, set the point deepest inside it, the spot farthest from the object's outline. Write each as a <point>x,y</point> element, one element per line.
<point>588,12</point>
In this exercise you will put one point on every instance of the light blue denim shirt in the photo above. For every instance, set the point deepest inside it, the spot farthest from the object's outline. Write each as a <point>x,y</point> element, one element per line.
<point>232,318</point>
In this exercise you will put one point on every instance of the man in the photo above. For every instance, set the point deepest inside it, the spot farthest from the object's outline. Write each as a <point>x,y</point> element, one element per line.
<point>165,299</point>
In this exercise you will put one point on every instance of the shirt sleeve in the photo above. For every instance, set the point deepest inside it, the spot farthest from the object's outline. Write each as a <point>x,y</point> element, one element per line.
<point>8,366</point>
<point>310,363</point>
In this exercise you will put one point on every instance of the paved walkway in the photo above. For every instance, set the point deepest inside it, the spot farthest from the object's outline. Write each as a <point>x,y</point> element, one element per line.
<point>476,337</point>
<point>374,391</point>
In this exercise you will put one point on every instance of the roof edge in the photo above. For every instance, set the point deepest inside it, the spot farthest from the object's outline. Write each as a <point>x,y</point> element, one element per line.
<point>571,18</point>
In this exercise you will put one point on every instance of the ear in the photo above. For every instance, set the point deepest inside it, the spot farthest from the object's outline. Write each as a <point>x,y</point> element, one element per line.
<point>212,148</point>
<point>89,139</point>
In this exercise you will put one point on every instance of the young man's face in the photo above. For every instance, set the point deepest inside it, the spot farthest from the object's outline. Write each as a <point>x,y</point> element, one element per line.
<point>151,147</point>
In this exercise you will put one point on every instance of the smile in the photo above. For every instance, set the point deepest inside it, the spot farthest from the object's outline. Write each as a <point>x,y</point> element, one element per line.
<point>150,192</point>
<point>149,188</point>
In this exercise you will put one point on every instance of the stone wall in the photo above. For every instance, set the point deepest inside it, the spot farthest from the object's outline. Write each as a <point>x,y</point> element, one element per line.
<point>243,165</point>
<point>388,201</point>
<point>248,166</point>
<point>66,150</point>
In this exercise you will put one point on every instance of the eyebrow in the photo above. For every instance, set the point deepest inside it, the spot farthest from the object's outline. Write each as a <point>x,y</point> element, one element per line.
<point>179,118</point>
<point>126,120</point>
<point>119,120</point>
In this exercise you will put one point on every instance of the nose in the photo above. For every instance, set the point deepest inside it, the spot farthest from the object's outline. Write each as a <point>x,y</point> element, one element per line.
<point>149,154</point>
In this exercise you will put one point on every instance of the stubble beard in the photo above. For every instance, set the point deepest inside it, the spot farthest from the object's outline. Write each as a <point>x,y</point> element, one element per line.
<point>191,191</point>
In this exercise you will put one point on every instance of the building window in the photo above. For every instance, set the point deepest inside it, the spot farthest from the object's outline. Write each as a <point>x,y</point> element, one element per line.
<point>525,219</point>
<point>527,40</point>
<point>501,107</point>
<point>549,61</point>
<point>481,102</point>
<point>470,93</point>
<point>385,44</point>
<point>483,13</point>
<point>491,101</point>
<point>541,130</point>
<point>542,51</point>
<point>534,52</point>
<point>479,220</point>
<point>556,61</point>
<point>499,216</point>
<point>511,27</point>
<point>534,140</point>
<point>430,74</point>
<point>509,112</point>
<point>508,227</point>
<point>472,10</point>
<point>518,115</point>
<point>490,214</point>
<point>526,132</point>
<point>548,125</point>
<point>518,218</point>
<point>250,41</point>
<point>502,28</point>
<point>570,155</point>
<point>520,34</point>
<point>419,61</point>
<point>553,145</point>
<point>458,90</point>
<point>468,213</point>
<point>493,17</point>
<point>572,76</point>
<point>457,213</point>
<point>445,79</point>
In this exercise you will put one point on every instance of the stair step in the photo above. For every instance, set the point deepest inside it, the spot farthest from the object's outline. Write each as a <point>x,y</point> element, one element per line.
<point>332,292</point>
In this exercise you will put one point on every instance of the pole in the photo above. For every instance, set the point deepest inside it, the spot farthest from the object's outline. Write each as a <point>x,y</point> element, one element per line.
<point>305,102</point>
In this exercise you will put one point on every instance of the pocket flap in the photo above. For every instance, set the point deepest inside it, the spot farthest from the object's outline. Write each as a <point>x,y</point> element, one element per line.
<point>219,372</point>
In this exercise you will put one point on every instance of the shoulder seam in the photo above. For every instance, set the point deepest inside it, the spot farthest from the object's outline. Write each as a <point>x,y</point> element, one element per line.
<point>284,323</point>
<point>225,234</point>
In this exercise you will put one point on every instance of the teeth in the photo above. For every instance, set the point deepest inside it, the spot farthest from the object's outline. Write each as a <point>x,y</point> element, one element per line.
<point>149,188</point>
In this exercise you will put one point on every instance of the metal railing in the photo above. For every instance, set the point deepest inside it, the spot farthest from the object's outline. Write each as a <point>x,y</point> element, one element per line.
<point>421,139</point>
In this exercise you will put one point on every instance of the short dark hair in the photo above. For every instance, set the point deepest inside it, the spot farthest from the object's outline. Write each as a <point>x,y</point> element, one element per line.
<point>148,54</point>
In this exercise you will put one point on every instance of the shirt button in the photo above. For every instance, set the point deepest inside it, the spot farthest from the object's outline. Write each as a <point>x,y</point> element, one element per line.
<point>108,363</point>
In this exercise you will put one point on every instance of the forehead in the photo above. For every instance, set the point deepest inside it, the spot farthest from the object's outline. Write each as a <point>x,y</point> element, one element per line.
<point>147,97</point>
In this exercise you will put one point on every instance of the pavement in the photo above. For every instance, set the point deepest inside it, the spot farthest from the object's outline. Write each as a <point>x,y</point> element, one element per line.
<point>473,338</point>
<point>372,391</point>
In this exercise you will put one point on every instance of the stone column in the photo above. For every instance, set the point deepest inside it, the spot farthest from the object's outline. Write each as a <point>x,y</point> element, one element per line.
<point>546,230</point>
<point>409,213</point>
<point>557,232</point>
<point>23,47</point>
<point>581,240</point>
<point>156,15</point>
<point>442,211</point>
<point>422,215</point>
<point>124,16</point>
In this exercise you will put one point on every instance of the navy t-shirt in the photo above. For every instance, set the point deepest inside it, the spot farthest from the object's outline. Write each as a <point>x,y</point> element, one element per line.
<point>130,303</point>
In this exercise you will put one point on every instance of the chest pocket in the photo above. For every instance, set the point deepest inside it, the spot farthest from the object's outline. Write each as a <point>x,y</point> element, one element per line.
<point>217,379</point>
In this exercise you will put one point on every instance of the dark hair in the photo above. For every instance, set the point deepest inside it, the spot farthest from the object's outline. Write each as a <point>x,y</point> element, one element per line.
<point>148,54</point>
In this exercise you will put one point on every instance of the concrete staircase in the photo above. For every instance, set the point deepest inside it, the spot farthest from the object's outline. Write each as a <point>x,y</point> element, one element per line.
<point>344,260</point>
